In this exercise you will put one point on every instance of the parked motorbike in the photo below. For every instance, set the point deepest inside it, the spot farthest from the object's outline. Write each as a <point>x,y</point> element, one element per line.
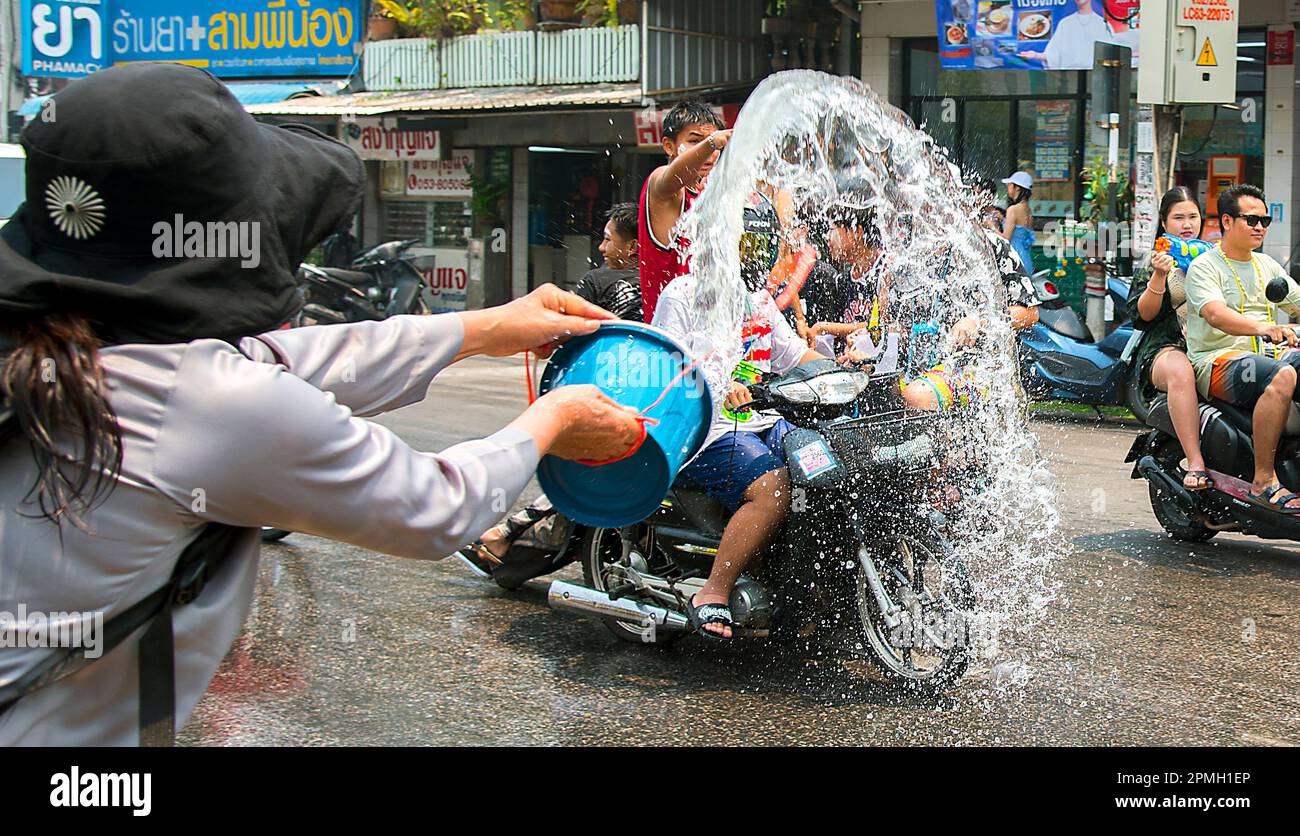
<point>384,281</point>
<point>1227,443</point>
<point>861,558</point>
<point>1060,360</point>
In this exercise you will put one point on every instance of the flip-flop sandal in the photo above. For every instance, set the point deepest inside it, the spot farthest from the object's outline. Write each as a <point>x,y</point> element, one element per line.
<point>1270,500</point>
<point>710,614</point>
<point>1202,475</point>
<point>472,557</point>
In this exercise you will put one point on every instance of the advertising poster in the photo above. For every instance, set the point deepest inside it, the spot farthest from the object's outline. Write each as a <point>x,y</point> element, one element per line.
<point>1052,141</point>
<point>441,178</point>
<point>1032,34</point>
<point>228,38</point>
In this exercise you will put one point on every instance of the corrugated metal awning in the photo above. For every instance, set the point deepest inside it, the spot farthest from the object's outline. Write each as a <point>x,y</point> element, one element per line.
<point>460,100</point>
<point>248,93</point>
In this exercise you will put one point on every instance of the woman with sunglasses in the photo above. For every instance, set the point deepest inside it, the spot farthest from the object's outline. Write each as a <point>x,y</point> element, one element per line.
<point>1157,304</point>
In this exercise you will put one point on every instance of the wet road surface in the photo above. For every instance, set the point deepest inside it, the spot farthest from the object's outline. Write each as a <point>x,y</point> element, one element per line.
<point>1148,641</point>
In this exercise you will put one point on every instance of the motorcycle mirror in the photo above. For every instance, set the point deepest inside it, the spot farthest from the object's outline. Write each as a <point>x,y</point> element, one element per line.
<point>1278,289</point>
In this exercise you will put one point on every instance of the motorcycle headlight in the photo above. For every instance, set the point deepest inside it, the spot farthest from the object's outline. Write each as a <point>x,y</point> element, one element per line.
<point>833,388</point>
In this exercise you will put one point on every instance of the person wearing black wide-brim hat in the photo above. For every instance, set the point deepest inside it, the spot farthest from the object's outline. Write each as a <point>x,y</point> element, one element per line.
<point>150,406</point>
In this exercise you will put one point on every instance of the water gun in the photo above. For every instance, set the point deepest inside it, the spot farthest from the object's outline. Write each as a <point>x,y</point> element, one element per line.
<point>789,274</point>
<point>1181,250</point>
<point>748,374</point>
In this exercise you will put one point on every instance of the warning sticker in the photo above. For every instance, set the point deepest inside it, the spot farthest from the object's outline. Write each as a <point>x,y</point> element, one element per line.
<point>1206,58</point>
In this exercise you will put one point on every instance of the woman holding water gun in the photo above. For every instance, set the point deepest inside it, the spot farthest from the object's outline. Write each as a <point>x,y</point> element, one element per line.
<point>1157,303</point>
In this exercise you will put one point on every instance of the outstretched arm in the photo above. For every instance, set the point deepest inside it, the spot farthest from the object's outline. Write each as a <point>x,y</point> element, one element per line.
<point>684,170</point>
<point>374,367</point>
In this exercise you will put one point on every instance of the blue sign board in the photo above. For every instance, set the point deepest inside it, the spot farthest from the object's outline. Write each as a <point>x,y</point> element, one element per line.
<point>1031,34</point>
<point>229,38</point>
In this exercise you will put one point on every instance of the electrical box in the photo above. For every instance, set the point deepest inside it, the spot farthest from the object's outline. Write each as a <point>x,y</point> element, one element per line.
<point>1189,52</point>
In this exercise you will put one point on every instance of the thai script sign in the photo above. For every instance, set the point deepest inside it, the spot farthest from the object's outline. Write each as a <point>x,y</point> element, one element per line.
<point>229,38</point>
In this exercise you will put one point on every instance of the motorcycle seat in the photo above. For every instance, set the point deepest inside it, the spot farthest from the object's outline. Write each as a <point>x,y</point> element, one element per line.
<point>1065,322</point>
<point>352,277</point>
<point>1244,420</point>
<point>707,513</point>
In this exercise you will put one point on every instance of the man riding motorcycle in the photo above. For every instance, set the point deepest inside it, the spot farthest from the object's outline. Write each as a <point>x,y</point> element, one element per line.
<point>1240,353</point>
<point>742,463</point>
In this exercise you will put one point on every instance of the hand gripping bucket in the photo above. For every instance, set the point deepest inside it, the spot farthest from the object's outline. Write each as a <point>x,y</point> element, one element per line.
<point>633,364</point>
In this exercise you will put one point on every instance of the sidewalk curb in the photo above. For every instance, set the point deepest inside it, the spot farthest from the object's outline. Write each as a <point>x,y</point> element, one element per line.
<point>1072,418</point>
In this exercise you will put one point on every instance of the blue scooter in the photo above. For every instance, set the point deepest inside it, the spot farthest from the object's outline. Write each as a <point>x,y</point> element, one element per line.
<point>1060,360</point>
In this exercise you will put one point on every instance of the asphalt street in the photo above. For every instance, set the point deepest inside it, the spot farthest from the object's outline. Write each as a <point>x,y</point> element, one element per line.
<point>1149,641</point>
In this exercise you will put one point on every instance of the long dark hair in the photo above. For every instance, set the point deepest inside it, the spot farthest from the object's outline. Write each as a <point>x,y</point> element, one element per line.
<point>51,376</point>
<point>1173,197</point>
<point>1023,197</point>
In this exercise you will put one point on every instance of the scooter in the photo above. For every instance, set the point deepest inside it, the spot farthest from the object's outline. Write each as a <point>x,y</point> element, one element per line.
<point>862,556</point>
<point>1060,360</point>
<point>1227,443</point>
<point>383,282</point>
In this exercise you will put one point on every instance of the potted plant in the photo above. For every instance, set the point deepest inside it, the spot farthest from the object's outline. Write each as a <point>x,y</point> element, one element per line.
<point>562,12</point>
<point>407,18</point>
<point>380,27</point>
<point>517,15</point>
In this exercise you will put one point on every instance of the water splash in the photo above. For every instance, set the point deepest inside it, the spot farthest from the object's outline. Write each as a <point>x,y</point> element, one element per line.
<point>825,139</point>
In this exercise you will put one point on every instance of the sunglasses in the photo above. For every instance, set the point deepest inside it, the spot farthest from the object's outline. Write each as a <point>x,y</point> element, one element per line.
<point>1255,220</point>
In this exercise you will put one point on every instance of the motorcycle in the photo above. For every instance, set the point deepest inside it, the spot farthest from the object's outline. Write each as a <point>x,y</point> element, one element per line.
<point>871,568</point>
<point>383,282</point>
<point>1227,442</point>
<point>1060,360</point>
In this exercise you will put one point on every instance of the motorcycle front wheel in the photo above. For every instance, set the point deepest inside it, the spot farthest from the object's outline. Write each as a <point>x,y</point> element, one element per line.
<point>918,636</point>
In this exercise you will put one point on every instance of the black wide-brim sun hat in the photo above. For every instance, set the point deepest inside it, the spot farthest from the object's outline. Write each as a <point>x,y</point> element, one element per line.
<point>112,165</point>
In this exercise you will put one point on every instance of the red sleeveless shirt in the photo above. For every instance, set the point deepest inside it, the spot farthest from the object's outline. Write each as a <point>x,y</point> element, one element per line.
<point>659,263</point>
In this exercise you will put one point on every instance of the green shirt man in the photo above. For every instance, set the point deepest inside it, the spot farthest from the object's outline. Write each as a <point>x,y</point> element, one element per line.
<point>1213,277</point>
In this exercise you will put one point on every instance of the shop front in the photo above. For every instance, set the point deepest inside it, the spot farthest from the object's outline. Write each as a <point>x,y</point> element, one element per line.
<point>997,121</point>
<point>428,201</point>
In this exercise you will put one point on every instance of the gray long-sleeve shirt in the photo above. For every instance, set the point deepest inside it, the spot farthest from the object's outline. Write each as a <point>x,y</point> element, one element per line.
<point>270,438</point>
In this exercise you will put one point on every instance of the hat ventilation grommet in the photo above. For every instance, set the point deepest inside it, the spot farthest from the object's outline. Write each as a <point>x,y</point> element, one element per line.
<point>76,208</point>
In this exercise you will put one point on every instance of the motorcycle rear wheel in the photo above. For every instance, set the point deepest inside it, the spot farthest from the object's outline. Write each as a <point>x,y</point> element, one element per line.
<point>602,547</point>
<point>1169,455</point>
<point>1134,397</point>
<point>906,562</point>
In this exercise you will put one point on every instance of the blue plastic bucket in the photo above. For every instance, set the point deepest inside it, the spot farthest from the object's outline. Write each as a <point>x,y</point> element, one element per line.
<point>632,364</point>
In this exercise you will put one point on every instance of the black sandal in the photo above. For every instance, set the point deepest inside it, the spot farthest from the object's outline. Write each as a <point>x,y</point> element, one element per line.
<point>472,557</point>
<point>1203,476</point>
<point>702,614</point>
<point>1269,499</point>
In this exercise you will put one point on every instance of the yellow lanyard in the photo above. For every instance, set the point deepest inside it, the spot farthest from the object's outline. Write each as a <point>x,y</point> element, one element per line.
<point>1241,293</point>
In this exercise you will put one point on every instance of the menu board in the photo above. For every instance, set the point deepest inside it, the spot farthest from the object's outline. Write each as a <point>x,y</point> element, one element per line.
<point>1052,141</point>
<point>1031,34</point>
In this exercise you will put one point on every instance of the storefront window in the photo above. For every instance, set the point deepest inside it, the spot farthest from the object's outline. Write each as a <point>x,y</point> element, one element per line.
<point>1045,140</point>
<point>927,78</point>
<point>994,122</point>
<point>434,223</point>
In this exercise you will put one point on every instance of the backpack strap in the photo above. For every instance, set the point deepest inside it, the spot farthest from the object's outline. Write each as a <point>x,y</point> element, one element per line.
<point>196,565</point>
